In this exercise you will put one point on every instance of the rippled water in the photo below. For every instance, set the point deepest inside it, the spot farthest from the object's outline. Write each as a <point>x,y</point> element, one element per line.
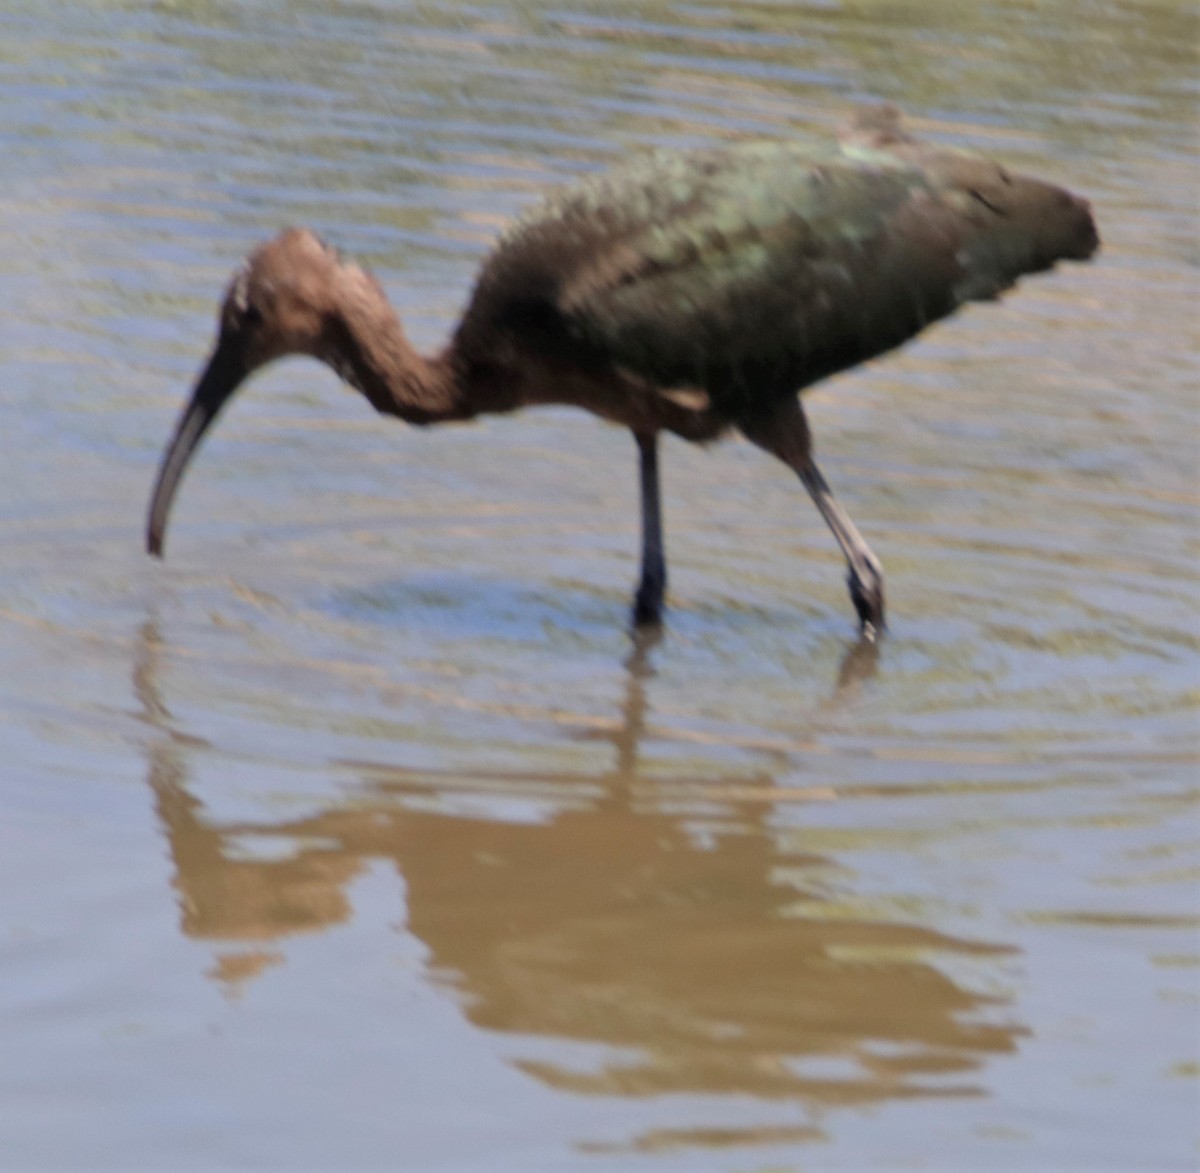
<point>359,834</point>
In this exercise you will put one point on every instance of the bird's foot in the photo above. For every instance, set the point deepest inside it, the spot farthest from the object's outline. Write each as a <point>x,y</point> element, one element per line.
<point>866,593</point>
<point>648,602</point>
<point>647,611</point>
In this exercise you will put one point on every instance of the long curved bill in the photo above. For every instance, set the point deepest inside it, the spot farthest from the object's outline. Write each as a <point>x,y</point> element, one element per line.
<point>225,371</point>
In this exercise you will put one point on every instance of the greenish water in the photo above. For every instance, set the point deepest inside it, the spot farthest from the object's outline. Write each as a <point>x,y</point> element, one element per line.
<point>359,835</point>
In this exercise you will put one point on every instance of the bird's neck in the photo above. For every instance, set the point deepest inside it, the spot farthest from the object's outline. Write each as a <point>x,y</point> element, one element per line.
<point>370,350</point>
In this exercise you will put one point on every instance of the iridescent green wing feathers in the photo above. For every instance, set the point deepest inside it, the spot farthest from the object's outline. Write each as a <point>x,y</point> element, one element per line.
<point>756,269</point>
<point>765,272</point>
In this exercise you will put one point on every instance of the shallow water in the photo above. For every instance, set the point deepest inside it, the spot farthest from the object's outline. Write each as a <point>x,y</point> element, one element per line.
<point>358,834</point>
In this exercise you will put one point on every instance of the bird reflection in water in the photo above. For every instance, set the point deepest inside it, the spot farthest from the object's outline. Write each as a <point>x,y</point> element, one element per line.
<point>664,921</point>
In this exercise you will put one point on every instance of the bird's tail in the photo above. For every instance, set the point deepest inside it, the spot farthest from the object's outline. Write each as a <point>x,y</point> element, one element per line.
<point>1015,225</point>
<point>1019,225</point>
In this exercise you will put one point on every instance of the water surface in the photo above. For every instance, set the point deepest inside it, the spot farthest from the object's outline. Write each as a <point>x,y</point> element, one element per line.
<point>360,834</point>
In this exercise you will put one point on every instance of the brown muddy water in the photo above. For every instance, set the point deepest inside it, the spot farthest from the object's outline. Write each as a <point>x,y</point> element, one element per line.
<point>359,835</point>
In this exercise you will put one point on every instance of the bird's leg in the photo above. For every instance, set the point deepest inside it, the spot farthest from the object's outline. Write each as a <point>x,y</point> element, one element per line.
<point>865,577</point>
<point>785,434</point>
<point>647,604</point>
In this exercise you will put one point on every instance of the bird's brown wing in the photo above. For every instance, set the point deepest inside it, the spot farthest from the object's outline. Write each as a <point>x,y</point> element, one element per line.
<point>757,269</point>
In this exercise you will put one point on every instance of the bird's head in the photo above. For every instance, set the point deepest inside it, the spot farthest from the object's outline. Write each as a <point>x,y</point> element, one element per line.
<point>280,302</point>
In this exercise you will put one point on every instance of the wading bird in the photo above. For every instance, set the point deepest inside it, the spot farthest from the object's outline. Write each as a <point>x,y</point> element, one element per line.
<point>687,292</point>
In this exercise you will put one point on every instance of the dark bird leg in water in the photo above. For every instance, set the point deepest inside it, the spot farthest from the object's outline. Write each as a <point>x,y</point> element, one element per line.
<point>785,434</point>
<point>647,606</point>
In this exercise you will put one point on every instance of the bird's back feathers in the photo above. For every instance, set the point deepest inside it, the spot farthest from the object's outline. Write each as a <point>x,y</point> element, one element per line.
<point>755,269</point>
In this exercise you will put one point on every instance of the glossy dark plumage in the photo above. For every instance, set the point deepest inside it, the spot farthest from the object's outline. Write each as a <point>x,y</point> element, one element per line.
<point>756,269</point>
<point>687,292</point>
